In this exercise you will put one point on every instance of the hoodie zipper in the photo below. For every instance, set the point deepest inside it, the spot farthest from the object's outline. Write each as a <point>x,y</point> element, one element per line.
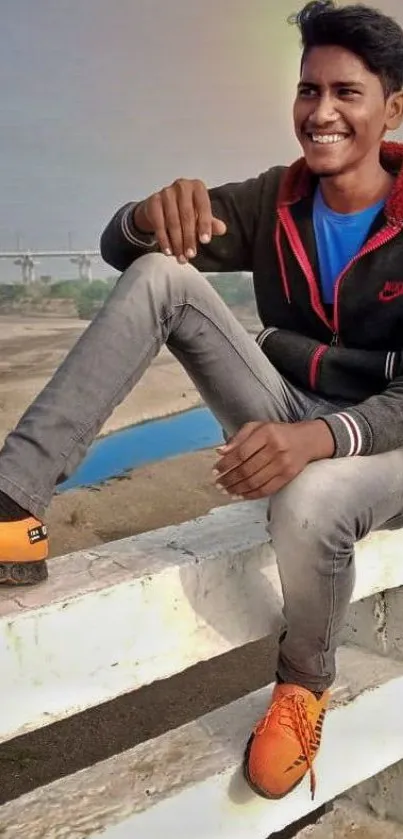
<point>300,254</point>
<point>314,365</point>
<point>383,236</point>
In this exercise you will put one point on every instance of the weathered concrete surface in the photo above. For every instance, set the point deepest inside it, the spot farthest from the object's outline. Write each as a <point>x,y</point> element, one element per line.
<point>348,821</point>
<point>377,623</point>
<point>115,619</point>
<point>188,782</point>
<point>383,794</point>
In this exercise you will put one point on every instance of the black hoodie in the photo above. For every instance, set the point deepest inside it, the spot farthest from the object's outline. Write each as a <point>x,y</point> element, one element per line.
<point>354,353</point>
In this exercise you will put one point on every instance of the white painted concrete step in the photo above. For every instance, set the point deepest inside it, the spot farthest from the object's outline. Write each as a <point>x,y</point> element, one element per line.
<point>347,821</point>
<point>140,609</point>
<point>188,783</point>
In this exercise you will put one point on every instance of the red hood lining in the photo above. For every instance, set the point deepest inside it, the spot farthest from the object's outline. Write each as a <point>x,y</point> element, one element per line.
<point>298,181</point>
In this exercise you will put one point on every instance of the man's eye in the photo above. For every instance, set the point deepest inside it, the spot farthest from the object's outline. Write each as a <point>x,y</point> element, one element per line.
<point>307,92</point>
<point>347,91</point>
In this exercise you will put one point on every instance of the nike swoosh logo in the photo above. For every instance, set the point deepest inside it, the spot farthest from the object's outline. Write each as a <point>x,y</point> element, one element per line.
<point>386,296</point>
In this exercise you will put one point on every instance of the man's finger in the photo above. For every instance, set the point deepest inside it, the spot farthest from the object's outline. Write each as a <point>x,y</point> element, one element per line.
<point>173,222</point>
<point>202,206</point>
<point>242,474</point>
<point>240,437</point>
<point>219,228</point>
<point>187,217</point>
<point>267,489</point>
<point>155,213</point>
<point>256,484</point>
<point>246,465</point>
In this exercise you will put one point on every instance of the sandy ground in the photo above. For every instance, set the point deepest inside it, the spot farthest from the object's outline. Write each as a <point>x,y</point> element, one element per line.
<point>31,349</point>
<point>150,497</point>
<point>147,498</point>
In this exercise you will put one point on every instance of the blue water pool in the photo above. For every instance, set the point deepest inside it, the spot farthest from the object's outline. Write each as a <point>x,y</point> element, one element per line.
<point>155,440</point>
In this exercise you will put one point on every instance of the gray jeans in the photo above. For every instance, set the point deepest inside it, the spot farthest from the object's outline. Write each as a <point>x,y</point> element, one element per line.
<point>314,521</point>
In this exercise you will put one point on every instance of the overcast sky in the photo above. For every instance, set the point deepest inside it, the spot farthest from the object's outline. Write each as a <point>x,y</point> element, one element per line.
<point>103,101</point>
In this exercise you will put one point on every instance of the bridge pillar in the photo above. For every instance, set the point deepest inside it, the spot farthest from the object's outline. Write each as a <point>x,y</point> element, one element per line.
<point>27,263</point>
<point>84,263</point>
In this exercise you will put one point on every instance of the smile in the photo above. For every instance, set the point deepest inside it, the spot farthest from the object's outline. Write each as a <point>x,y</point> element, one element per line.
<point>327,139</point>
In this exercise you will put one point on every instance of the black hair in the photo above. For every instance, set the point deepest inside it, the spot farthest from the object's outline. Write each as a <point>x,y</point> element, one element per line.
<point>372,36</point>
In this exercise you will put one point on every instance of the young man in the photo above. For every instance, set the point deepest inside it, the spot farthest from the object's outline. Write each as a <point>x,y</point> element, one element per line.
<point>314,409</point>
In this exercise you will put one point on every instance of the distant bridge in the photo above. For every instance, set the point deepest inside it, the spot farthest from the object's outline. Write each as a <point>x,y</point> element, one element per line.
<point>28,260</point>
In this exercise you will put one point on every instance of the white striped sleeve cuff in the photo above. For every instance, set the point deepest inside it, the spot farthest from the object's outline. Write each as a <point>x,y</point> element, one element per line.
<point>390,366</point>
<point>134,236</point>
<point>351,432</point>
<point>265,334</point>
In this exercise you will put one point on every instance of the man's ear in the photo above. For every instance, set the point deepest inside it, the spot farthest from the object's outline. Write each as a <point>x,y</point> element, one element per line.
<point>394,111</point>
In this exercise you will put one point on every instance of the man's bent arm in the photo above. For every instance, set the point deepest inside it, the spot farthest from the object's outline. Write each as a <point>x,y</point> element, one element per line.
<point>237,204</point>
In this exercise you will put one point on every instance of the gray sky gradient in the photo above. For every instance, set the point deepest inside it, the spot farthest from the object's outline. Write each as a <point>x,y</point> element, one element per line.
<point>103,101</point>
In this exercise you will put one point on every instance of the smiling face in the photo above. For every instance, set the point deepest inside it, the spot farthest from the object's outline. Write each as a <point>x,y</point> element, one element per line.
<point>341,113</point>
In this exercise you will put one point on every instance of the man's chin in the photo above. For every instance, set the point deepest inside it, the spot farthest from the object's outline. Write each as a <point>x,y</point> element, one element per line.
<point>328,174</point>
<point>327,163</point>
<point>324,171</point>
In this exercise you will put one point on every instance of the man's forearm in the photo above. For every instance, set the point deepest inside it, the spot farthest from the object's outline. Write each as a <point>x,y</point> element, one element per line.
<point>121,243</point>
<point>319,439</point>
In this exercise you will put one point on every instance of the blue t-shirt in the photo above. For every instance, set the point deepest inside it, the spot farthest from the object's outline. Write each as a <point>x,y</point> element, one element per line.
<point>339,237</point>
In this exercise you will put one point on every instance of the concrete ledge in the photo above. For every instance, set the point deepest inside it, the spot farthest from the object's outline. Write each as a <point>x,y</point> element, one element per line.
<point>347,821</point>
<point>144,608</point>
<point>188,781</point>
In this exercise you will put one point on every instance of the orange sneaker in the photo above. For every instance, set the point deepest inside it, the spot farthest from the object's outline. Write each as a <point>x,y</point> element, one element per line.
<point>23,551</point>
<point>285,743</point>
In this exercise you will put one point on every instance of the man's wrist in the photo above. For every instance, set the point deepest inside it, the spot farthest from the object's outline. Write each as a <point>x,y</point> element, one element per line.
<point>319,439</point>
<point>140,220</point>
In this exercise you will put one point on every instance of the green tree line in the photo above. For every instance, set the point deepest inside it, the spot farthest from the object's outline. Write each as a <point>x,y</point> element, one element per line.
<point>88,297</point>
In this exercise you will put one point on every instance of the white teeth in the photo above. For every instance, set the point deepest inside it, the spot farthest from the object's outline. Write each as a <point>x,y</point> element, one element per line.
<point>325,139</point>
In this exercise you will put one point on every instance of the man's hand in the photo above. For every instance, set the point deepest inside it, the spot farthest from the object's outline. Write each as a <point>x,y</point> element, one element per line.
<point>265,456</point>
<point>180,216</point>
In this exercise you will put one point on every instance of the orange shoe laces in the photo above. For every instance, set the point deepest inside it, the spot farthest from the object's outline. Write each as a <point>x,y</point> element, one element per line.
<point>292,714</point>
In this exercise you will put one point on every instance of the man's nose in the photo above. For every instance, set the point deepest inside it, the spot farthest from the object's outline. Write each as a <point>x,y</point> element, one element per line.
<point>324,111</point>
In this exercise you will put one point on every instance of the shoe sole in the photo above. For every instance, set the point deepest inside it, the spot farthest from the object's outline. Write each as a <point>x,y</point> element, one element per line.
<point>23,573</point>
<point>258,790</point>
